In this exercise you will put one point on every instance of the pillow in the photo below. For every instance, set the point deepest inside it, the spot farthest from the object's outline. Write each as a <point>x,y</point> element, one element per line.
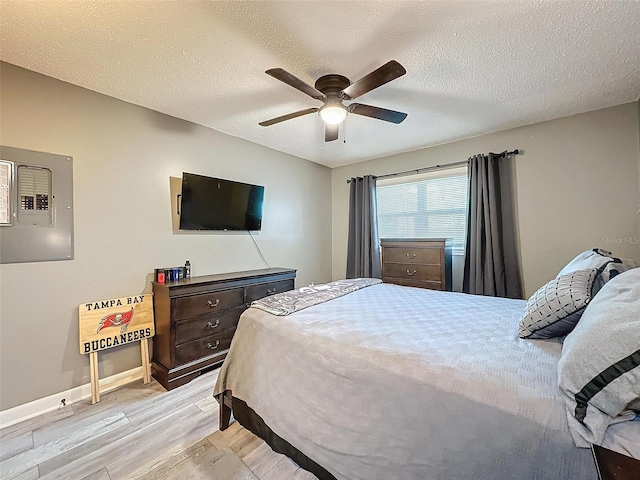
<point>590,259</point>
<point>599,370</point>
<point>613,269</point>
<point>556,307</point>
<point>602,260</point>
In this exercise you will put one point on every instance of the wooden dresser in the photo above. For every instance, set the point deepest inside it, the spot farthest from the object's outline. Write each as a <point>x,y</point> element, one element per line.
<point>196,318</point>
<point>424,263</point>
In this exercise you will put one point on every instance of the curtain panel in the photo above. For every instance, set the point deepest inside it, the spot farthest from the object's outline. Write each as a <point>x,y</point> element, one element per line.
<point>363,248</point>
<point>491,265</point>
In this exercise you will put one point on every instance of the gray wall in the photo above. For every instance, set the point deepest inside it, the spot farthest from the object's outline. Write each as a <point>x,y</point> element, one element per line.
<point>577,187</point>
<point>123,158</point>
<point>638,201</point>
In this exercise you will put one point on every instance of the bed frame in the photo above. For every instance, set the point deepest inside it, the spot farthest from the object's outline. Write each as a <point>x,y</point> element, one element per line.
<point>225,400</point>
<point>250,420</point>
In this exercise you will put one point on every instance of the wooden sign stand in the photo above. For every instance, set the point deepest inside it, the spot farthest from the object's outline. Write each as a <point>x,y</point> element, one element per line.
<point>95,378</point>
<point>133,319</point>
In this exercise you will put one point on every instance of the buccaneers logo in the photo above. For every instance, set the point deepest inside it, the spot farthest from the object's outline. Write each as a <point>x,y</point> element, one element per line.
<point>116,320</point>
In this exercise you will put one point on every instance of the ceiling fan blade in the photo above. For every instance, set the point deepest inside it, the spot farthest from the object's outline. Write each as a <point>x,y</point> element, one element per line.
<point>283,118</point>
<point>377,112</point>
<point>295,82</point>
<point>331,132</point>
<point>389,71</point>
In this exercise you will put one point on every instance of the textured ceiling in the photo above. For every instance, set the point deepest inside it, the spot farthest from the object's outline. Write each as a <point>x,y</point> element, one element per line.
<point>473,67</point>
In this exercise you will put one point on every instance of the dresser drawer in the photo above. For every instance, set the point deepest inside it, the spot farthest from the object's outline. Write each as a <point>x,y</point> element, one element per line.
<point>412,255</point>
<point>256,292</point>
<point>413,272</point>
<point>212,345</point>
<point>192,329</point>
<point>207,303</point>
<point>414,283</point>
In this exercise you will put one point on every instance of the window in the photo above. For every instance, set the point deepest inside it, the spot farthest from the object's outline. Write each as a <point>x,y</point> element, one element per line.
<point>430,205</point>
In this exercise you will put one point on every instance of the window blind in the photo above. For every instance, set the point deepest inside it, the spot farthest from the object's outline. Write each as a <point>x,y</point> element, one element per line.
<point>433,206</point>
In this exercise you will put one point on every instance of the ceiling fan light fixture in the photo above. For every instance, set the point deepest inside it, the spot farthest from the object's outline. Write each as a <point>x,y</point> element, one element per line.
<point>333,114</point>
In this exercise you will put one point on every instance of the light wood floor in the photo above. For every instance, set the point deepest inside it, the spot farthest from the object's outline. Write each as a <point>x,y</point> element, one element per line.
<point>140,431</point>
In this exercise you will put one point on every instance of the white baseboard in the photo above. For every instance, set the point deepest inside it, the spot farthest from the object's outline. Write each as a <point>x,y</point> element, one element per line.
<point>52,402</point>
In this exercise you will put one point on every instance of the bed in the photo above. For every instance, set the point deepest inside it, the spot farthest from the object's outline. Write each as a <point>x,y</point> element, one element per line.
<point>404,383</point>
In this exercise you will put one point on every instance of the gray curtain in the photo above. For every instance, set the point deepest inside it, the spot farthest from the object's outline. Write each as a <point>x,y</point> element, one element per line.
<point>363,250</point>
<point>491,264</point>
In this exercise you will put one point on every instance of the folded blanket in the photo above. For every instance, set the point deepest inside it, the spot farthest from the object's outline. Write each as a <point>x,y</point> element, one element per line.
<point>289,302</point>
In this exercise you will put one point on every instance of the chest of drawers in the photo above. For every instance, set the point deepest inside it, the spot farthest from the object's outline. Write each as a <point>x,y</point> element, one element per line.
<point>424,263</point>
<point>197,317</point>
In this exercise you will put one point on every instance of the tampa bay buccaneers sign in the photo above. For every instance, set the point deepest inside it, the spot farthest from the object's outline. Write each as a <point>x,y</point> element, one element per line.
<point>109,323</point>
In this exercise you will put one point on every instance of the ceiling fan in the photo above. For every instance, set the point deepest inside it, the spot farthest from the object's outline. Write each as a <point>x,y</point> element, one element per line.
<point>333,89</point>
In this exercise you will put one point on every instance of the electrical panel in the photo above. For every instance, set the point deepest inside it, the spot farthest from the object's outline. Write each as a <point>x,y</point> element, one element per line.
<point>36,206</point>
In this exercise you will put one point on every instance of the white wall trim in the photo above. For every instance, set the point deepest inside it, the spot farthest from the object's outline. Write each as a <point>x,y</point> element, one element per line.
<point>52,402</point>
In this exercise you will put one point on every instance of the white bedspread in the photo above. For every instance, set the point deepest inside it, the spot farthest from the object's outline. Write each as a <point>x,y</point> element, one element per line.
<point>393,382</point>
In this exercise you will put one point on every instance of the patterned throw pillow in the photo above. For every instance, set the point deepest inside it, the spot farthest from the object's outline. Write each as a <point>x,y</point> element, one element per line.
<point>554,310</point>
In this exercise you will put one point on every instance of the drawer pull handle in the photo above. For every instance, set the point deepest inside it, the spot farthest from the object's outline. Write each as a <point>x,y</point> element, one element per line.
<point>213,347</point>
<point>410,255</point>
<point>211,325</point>
<point>411,274</point>
<point>212,304</point>
<point>272,291</point>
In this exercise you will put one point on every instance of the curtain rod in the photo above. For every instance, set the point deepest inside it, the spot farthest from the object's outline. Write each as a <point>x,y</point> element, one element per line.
<point>433,167</point>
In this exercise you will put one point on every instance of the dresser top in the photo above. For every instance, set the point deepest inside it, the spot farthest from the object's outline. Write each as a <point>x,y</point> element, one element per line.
<point>407,240</point>
<point>225,277</point>
<point>203,280</point>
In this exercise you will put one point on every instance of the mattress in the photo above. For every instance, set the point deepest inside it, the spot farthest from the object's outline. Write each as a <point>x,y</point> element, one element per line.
<point>406,383</point>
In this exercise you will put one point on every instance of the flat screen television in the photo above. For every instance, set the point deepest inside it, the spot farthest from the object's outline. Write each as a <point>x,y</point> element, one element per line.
<point>217,204</point>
